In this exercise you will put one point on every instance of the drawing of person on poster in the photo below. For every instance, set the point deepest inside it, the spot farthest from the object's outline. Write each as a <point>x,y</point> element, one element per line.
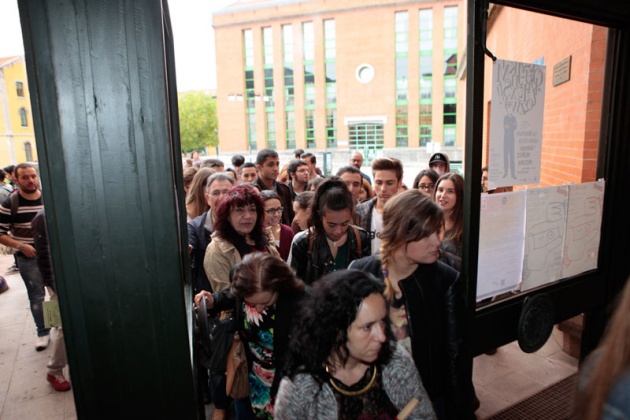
<point>509,125</point>
<point>516,123</point>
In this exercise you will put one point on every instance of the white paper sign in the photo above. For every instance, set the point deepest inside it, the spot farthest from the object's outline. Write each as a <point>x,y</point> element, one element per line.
<point>584,223</point>
<point>516,122</point>
<point>501,241</point>
<point>544,235</point>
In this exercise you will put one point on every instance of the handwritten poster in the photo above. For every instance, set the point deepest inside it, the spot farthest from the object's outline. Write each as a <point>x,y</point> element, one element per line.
<point>544,235</point>
<point>516,122</point>
<point>584,221</point>
<point>501,241</point>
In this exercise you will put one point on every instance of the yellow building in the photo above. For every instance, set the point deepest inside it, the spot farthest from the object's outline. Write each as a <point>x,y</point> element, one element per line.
<point>17,138</point>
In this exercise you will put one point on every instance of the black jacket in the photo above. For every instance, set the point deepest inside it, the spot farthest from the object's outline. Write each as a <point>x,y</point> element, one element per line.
<point>434,302</point>
<point>40,238</point>
<point>287,309</point>
<point>311,269</point>
<point>199,238</point>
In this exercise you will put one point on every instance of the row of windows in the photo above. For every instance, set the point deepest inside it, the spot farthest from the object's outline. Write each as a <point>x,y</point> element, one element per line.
<point>401,83</point>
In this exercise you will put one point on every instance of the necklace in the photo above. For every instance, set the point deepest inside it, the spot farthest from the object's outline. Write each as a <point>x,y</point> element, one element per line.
<point>354,393</point>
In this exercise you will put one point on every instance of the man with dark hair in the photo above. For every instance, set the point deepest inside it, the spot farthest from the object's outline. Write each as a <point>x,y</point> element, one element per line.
<point>311,161</point>
<point>388,173</point>
<point>440,163</point>
<point>16,213</point>
<point>8,173</point>
<point>5,189</point>
<point>215,164</point>
<point>353,179</point>
<point>298,153</point>
<point>268,167</point>
<point>298,177</point>
<point>356,160</point>
<point>247,173</point>
<point>237,162</point>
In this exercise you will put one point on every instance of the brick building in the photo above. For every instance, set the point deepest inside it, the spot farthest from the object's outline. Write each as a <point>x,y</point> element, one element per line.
<point>572,116</point>
<point>357,74</point>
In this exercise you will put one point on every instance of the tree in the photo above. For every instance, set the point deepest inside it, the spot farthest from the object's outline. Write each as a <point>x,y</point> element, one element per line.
<point>197,120</point>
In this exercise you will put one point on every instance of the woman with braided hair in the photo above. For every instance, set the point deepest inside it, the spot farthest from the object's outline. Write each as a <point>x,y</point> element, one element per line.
<point>331,242</point>
<point>426,302</point>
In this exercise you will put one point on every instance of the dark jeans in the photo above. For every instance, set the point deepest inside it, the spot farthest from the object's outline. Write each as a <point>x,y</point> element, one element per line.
<point>35,290</point>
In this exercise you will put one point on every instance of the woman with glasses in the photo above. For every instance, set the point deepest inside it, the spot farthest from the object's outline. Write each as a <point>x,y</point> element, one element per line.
<point>331,242</point>
<point>281,235</point>
<point>265,297</point>
<point>425,181</point>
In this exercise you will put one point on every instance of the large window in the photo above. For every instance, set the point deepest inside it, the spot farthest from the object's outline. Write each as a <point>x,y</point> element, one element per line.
<point>23,117</point>
<point>450,82</point>
<point>250,95</point>
<point>19,89</point>
<point>330,56</point>
<point>364,136</point>
<point>289,98</point>
<point>402,78</point>
<point>308,43</point>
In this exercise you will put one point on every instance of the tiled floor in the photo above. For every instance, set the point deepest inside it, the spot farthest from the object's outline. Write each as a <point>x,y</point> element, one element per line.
<point>500,380</point>
<point>510,375</point>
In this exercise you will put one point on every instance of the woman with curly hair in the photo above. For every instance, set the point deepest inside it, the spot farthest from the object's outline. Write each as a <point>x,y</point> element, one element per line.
<point>331,242</point>
<point>265,296</point>
<point>238,230</point>
<point>426,299</point>
<point>343,361</point>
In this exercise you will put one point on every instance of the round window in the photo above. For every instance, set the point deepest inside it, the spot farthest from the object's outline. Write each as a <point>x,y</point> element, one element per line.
<point>364,73</point>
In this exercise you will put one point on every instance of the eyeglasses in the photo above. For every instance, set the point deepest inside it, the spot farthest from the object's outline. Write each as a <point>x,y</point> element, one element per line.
<point>217,193</point>
<point>273,211</point>
<point>426,187</point>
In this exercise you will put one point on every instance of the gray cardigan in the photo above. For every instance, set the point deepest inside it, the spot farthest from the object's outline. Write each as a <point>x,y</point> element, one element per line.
<point>302,398</point>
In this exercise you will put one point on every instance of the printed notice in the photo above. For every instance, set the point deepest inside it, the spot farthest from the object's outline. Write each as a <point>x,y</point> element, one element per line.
<point>516,122</point>
<point>584,221</point>
<point>501,241</point>
<point>544,235</point>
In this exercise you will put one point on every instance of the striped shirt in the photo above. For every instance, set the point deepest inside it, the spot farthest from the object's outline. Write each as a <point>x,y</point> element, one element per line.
<point>19,227</point>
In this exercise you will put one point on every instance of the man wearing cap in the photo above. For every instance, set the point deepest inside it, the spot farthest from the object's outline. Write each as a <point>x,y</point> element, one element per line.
<point>439,163</point>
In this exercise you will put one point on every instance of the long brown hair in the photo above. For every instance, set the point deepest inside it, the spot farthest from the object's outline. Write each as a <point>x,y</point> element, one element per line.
<point>259,272</point>
<point>407,217</point>
<point>611,359</point>
<point>457,215</point>
<point>196,203</point>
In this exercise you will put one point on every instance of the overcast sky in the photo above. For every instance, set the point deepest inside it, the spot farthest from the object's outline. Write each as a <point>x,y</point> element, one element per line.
<point>192,29</point>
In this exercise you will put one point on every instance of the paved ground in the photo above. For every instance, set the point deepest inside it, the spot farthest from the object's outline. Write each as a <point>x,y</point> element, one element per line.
<point>24,392</point>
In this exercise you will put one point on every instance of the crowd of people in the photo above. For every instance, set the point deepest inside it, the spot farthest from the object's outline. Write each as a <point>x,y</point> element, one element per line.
<point>344,289</point>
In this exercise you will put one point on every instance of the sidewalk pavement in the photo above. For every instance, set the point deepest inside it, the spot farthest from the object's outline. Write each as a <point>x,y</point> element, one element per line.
<point>24,391</point>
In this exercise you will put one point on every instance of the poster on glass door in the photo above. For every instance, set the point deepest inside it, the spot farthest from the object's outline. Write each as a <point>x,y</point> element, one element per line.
<point>516,123</point>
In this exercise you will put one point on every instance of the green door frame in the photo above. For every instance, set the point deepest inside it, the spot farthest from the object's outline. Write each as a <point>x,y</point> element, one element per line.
<point>105,114</point>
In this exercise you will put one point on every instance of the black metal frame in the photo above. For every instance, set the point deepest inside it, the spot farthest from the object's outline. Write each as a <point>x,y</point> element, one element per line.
<point>590,292</point>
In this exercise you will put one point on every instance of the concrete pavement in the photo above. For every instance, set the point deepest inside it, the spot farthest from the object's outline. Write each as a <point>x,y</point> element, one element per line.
<point>24,391</point>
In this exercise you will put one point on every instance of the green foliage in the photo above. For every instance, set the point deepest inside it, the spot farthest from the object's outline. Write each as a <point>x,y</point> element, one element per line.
<point>197,120</point>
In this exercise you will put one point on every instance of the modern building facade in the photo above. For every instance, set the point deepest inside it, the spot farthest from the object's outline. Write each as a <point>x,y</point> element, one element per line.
<point>17,138</point>
<point>358,74</point>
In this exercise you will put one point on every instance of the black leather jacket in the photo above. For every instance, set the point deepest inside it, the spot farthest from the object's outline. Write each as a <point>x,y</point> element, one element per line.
<point>434,302</point>
<point>321,259</point>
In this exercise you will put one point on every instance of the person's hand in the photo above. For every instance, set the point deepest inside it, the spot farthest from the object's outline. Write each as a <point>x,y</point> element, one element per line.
<point>204,294</point>
<point>28,250</point>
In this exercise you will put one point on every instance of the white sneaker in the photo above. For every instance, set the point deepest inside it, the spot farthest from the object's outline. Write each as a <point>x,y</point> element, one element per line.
<point>42,342</point>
